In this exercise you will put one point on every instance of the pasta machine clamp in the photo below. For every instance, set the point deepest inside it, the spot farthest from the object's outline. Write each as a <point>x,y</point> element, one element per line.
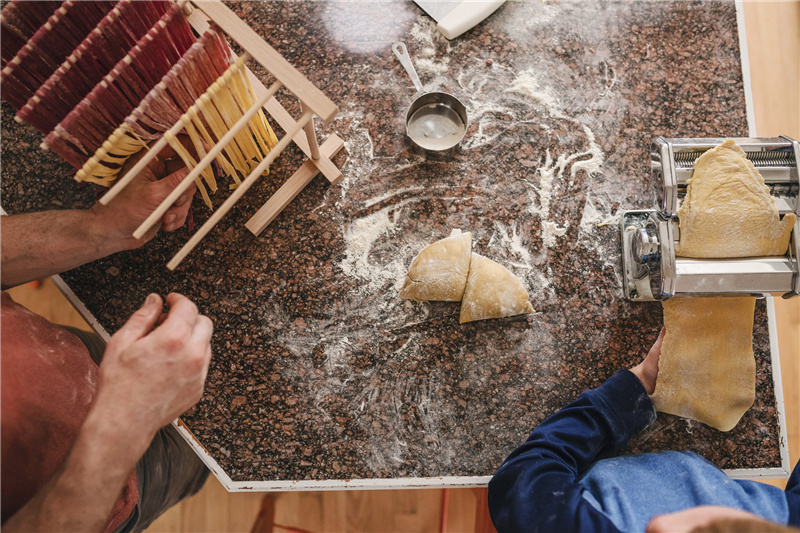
<point>652,271</point>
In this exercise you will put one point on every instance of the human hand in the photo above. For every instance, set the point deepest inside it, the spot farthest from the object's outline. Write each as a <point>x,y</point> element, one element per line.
<point>137,201</point>
<point>152,373</point>
<point>647,370</point>
<point>699,518</point>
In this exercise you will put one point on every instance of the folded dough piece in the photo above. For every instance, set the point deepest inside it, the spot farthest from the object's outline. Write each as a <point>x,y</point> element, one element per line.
<point>707,370</point>
<point>492,291</point>
<point>728,211</point>
<point>439,272</point>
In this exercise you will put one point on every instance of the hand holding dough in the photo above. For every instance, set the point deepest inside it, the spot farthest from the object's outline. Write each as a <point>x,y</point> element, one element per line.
<point>707,370</point>
<point>492,292</point>
<point>439,272</point>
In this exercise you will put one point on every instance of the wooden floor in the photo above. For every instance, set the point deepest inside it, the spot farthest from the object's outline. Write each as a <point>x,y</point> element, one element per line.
<point>775,68</point>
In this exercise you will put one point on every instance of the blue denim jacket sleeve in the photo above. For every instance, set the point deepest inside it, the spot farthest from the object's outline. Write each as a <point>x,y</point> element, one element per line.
<point>536,488</point>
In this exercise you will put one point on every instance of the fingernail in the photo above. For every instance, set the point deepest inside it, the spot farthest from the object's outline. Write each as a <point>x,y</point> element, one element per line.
<point>171,218</point>
<point>151,299</point>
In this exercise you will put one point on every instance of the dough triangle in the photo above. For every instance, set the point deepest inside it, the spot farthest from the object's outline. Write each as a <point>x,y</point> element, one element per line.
<point>492,291</point>
<point>439,272</point>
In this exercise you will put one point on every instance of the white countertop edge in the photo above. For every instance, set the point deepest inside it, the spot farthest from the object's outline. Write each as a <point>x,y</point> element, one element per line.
<point>80,308</point>
<point>446,482</point>
<point>774,350</point>
<point>745,57</point>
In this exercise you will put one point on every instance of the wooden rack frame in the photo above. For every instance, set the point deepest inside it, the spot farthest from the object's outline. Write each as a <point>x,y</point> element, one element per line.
<point>301,131</point>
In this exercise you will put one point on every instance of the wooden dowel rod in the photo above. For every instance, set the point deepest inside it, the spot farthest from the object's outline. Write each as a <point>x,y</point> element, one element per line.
<point>152,153</point>
<point>239,191</point>
<point>285,121</point>
<point>156,215</point>
<point>311,136</point>
<point>186,7</point>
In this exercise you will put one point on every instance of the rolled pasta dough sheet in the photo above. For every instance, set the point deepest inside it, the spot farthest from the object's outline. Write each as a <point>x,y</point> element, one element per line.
<point>728,211</point>
<point>707,370</point>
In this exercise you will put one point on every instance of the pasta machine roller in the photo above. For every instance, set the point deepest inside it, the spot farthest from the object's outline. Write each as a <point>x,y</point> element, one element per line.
<point>651,271</point>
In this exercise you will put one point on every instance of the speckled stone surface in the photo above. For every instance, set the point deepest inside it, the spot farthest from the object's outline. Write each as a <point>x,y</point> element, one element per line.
<point>320,371</point>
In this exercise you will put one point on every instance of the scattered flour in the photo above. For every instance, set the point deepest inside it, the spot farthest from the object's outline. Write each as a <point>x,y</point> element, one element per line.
<point>423,33</point>
<point>396,192</point>
<point>386,398</point>
<point>519,28</point>
<point>551,174</point>
<point>337,354</point>
<point>360,153</point>
<point>551,230</point>
<point>473,79</point>
<point>513,243</point>
<point>527,84</point>
<point>360,236</point>
<point>427,37</point>
<point>592,218</point>
<point>541,283</point>
<point>592,165</point>
<point>424,64</point>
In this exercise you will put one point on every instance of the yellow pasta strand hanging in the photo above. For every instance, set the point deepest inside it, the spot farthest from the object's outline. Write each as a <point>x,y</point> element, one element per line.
<point>207,172</point>
<point>190,164</point>
<point>102,168</point>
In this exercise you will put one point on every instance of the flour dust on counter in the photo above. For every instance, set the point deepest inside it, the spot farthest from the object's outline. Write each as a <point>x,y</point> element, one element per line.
<point>360,236</point>
<point>428,39</point>
<point>415,401</point>
<point>527,84</point>
<point>511,248</point>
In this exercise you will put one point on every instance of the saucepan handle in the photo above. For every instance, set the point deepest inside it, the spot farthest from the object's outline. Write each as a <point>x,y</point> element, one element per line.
<point>401,52</point>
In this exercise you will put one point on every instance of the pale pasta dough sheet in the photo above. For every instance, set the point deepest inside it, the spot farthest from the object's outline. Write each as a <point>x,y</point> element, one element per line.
<point>707,369</point>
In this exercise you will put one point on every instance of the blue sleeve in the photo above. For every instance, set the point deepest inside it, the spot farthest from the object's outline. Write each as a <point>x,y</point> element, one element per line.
<point>793,496</point>
<point>537,489</point>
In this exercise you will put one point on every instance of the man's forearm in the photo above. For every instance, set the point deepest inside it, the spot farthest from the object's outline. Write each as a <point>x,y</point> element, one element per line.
<point>37,245</point>
<point>81,495</point>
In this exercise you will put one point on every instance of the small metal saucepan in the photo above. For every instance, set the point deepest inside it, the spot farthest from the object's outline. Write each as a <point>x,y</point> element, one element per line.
<point>436,122</point>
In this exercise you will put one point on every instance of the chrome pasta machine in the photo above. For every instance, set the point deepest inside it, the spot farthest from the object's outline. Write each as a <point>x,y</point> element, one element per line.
<point>652,271</point>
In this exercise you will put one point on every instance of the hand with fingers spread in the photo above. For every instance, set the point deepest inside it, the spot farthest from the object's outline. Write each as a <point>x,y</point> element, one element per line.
<point>151,373</point>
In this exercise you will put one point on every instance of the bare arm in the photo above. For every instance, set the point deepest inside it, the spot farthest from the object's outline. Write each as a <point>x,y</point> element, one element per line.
<point>148,378</point>
<point>37,245</point>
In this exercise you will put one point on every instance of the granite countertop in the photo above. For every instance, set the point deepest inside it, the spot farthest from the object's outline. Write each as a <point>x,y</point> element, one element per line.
<point>320,372</point>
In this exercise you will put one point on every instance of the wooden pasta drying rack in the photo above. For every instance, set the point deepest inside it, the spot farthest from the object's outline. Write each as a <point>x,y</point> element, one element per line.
<point>301,131</point>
